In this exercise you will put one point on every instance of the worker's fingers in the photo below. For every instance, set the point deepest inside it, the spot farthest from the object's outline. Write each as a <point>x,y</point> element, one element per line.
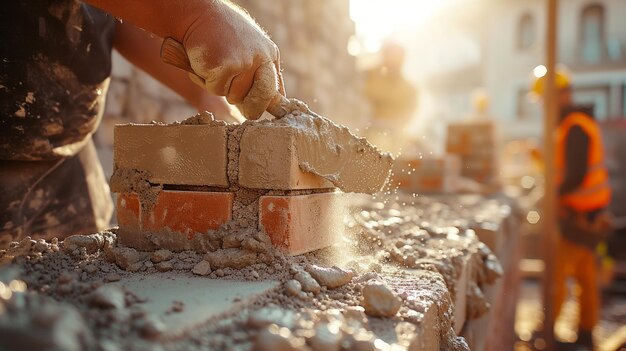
<point>240,86</point>
<point>263,91</point>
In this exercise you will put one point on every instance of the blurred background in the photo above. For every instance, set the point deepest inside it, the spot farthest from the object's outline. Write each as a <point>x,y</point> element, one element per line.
<point>444,86</point>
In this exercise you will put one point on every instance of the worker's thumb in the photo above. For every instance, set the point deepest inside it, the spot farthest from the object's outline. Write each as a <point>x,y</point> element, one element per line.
<point>264,89</point>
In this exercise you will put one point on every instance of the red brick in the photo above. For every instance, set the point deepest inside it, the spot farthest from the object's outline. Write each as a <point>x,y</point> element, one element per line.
<point>184,212</point>
<point>189,212</point>
<point>128,211</point>
<point>302,223</point>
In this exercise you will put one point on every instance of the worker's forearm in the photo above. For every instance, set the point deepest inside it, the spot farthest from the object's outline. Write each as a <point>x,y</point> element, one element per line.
<point>165,18</point>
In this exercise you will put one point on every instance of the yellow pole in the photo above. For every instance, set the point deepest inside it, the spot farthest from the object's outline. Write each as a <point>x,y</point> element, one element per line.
<point>550,232</point>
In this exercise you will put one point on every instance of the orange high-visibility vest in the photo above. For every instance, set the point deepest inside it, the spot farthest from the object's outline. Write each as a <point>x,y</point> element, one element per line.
<point>595,191</point>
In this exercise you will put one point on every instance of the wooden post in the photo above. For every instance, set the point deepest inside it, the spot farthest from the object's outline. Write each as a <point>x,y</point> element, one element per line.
<point>549,217</point>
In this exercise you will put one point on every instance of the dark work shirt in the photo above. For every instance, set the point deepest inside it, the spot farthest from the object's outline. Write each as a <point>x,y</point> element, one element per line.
<point>576,154</point>
<point>55,60</point>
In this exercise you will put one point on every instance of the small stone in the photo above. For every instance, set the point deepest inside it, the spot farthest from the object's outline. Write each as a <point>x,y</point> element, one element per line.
<point>164,266</point>
<point>332,277</point>
<point>108,296</point>
<point>379,300</point>
<point>220,273</point>
<point>136,267</point>
<point>293,287</point>
<point>125,257</point>
<point>255,274</point>
<point>308,283</point>
<point>113,277</point>
<point>203,268</point>
<point>151,327</point>
<point>41,246</point>
<point>231,258</point>
<point>91,243</point>
<point>160,255</point>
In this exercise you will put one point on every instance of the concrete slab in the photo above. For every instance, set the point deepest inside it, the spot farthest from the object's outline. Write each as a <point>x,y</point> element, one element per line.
<point>203,299</point>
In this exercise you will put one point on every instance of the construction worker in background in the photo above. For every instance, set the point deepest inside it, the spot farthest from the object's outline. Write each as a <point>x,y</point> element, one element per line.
<point>584,194</point>
<point>393,99</point>
<point>54,74</point>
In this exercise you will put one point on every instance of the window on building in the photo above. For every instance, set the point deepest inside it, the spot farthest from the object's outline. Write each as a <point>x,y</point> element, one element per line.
<point>526,32</point>
<point>593,41</point>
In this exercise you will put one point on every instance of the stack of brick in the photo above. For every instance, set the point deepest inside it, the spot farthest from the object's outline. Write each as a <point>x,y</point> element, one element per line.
<point>184,182</point>
<point>475,143</point>
<point>313,38</point>
<point>427,174</point>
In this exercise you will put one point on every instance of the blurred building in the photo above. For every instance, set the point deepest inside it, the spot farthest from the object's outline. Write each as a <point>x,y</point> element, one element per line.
<point>510,36</point>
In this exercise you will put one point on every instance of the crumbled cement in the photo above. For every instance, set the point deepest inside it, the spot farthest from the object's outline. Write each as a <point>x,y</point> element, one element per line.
<point>307,282</point>
<point>125,180</point>
<point>293,287</point>
<point>160,255</point>
<point>332,277</point>
<point>202,118</point>
<point>202,268</point>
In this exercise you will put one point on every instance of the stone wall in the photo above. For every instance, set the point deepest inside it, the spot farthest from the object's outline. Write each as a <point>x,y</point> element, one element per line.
<point>313,38</point>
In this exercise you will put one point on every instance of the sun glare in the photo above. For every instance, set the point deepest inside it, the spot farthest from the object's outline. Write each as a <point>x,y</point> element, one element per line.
<point>378,19</point>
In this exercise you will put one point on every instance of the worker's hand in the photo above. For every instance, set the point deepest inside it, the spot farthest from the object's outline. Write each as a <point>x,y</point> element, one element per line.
<point>226,48</point>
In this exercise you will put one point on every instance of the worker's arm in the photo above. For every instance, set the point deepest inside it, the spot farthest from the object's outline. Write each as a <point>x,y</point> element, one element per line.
<point>142,50</point>
<point>224,45</point>
<point>576,155</point>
